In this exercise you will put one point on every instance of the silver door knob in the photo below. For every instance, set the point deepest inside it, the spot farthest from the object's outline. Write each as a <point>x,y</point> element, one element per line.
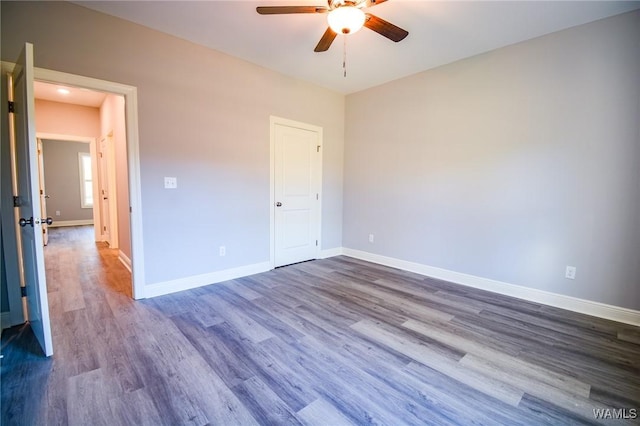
<point>23,222</point>
<point>278,204</point>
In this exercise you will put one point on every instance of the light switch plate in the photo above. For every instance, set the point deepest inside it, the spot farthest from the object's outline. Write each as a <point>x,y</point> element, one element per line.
<point>170,182</point>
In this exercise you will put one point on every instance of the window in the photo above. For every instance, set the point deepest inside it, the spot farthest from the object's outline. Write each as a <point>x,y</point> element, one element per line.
<point>86,180</point>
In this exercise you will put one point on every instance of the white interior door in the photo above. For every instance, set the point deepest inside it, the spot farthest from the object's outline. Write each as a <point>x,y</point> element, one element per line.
<point>26,188</point>
<point>43,194</point>
<point>297,168</point>
<point>103,183</point>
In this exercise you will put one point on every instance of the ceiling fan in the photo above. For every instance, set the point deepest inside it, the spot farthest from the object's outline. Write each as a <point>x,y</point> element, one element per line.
<point>345,17</point>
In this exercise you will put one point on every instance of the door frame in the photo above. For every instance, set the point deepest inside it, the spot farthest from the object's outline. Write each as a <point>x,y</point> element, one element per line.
<point>273,121</point>
<point>17,313</point>
<point>43,190</point>
<point>92,151</point>
<point>112,191</point>
<point>130,94</point>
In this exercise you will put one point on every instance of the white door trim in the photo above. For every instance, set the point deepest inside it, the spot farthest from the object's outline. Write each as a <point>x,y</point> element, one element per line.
<point>112,190</point>
<point>43,191</point>
<point>130,94</point>
<point>17,310</point>
<point>114,242</point>
<point>273,121</point>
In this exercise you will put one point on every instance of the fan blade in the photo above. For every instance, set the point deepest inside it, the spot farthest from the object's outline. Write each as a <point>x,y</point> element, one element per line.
<point>371,3</point>
<point>278,10</point>
<point>326,40</point>
<point>384,28</point>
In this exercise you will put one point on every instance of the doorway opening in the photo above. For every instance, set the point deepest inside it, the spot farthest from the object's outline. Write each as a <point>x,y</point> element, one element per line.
<point>61,175</point>
<point>125,212</point>
<point>82,153</point>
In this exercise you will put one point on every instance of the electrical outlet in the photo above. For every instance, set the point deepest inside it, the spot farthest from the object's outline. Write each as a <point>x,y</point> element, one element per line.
<point>223,251</point>
<point>370,238</point>
<point>570,272</point>
<point>57,212</point>
<point>170,182</point>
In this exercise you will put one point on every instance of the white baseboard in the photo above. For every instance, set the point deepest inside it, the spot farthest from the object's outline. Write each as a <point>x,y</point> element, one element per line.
<point>602,310</point>
<point>337,251</point>
<point>59,223</point>
<point>124,259</point>
<point>187,283</point>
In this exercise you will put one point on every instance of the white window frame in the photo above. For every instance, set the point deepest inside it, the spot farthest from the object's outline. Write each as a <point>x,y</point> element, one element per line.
<point>83,203</point>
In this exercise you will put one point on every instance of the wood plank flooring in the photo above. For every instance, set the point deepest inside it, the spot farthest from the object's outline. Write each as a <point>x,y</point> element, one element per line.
<point>329,342</point>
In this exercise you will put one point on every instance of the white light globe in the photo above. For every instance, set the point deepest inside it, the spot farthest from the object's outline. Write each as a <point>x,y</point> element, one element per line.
<point>346,19</point>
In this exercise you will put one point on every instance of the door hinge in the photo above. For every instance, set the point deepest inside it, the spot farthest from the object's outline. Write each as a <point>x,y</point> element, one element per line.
<point>23,291</point>
<point>16,201</point>
<point>318,148</point>
<point>316,243</point>
<point>317,197</point>
<point>12,106</point>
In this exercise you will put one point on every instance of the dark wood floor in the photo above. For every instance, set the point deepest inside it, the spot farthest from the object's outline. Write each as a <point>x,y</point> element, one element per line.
<point>328,342</point>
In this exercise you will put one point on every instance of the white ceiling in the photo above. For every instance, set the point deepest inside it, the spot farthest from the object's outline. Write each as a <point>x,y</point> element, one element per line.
<point>440,32</point>
<point>76,96</point>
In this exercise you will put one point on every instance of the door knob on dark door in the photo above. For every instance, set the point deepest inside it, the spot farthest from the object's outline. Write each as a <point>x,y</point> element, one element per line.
<point>23,222</point>
<point>278,204</point>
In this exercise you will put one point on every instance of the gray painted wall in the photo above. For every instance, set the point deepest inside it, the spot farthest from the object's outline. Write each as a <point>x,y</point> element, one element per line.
<point>509,165</point>
<point>204,118</point>
<point>62,179</point>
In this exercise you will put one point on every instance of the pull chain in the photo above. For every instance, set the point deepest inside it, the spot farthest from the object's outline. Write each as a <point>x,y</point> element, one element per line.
<point>344,55</point>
